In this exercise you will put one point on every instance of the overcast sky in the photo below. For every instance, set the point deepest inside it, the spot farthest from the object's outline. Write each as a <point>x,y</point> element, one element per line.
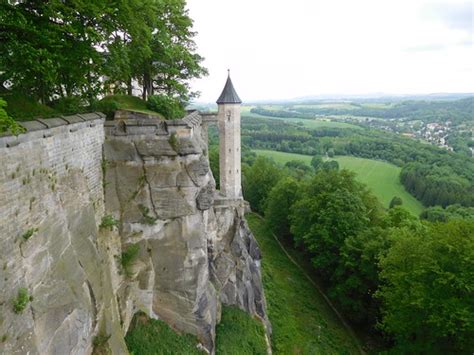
<point>279,49</point>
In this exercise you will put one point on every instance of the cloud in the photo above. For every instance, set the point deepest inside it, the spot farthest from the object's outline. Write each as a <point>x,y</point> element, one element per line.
<point>456,16</point>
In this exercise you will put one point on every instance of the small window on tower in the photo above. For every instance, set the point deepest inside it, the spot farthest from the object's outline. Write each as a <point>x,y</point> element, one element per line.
<point>230,150</point>
<point>230,171</point>
<point>237,171</point>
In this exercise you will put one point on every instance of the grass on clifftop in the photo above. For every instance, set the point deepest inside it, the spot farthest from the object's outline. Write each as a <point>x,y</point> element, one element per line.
<point>127,102</point>
<point>302,321</point>
<point>151,337</point>
<point>381,177</point>
<point>23,108</point>
<point>239,333</point>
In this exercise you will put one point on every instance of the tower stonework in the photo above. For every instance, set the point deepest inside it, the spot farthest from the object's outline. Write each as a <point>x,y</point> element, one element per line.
<point>228,116</point>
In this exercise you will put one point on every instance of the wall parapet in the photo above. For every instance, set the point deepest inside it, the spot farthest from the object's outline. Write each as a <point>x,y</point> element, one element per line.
<point>45,128</point>
<point>137,124</point>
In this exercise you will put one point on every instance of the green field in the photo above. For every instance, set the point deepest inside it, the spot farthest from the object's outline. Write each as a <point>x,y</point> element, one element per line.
<point>381,177</point>
<point>309,123</point>
<point>335,105</point>
<point>302,321</point>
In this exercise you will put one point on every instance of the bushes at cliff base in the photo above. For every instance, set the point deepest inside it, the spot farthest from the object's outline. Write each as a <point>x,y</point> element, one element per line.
<point>150,336</point>
<point>239,333</point>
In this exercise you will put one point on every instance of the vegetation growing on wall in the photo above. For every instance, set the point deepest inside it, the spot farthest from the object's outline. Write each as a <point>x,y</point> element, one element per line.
<point>108,222</point>
<point>21,301</point>
<point>128,258</point>
<point>29,233</point>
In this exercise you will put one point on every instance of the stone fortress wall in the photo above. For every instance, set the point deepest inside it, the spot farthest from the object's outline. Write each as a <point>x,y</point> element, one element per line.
<point>51,201</point>
<point>195,249</point>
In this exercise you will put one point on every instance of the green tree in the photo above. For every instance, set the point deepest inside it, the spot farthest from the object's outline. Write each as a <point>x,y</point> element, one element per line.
<point>316,162</point>
<point>279,202</point>
<point>259,179</point>
<point>357,277</point>
<point>49,48</point>
<point>331,207</point>
<point>396,201</point>
<point>173,60</point>
<point>330,165</point>
<point>428,280</point>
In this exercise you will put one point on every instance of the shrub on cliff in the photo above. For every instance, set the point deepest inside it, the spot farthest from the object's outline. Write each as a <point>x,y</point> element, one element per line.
<point>171,108</point>
<point>21,300</point>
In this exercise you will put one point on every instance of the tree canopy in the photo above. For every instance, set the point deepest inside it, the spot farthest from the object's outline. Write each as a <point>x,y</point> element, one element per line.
<point>52,50</point>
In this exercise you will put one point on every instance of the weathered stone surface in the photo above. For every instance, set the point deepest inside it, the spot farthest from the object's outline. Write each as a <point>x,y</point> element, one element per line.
<point>157,146</point>
<point>205,198</point>
<point>194,253</point>
<point>198,170</point>
<point>53,187</point>
<point>197,256</point>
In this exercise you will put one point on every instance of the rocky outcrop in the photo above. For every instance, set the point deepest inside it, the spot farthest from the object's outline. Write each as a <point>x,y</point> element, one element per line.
<point>196,251</point>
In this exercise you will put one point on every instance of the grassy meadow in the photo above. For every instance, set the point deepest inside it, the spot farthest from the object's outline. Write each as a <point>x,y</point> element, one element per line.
<point>381,177</point>
<point>302,321</point>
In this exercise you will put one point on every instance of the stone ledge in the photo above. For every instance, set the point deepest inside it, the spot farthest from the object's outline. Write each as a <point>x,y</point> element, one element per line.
<point>44,128</point>
<point>151,126</point>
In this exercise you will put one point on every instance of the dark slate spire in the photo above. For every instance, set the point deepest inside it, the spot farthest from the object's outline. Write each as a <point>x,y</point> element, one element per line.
<point>229,96</point>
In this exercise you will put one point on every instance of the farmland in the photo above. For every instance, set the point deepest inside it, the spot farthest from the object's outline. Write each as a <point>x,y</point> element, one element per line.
<point>381,177</point>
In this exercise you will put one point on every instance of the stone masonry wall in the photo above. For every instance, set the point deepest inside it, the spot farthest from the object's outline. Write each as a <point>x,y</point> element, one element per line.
<point>51,202</point>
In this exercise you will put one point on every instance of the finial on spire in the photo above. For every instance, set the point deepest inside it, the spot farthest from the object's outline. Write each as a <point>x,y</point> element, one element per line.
<point>228,72</point>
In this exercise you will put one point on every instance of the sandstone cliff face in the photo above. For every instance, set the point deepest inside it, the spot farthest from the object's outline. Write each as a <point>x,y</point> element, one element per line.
<point>195,249</point>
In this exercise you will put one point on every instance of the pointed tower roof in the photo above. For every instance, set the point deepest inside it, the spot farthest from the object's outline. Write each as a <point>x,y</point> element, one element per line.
<point>229,95</point>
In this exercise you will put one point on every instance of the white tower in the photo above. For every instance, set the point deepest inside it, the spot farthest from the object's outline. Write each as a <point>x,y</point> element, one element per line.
<point>228,116</point>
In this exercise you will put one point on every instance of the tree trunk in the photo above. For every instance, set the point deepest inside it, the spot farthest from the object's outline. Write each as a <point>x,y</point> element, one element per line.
<point>129,87</point>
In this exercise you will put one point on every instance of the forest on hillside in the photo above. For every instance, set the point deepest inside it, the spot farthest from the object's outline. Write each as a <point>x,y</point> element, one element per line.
<point>407,280</point>
<point>457,111</point>
<point>447,123</point>
<point>433,175</point>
